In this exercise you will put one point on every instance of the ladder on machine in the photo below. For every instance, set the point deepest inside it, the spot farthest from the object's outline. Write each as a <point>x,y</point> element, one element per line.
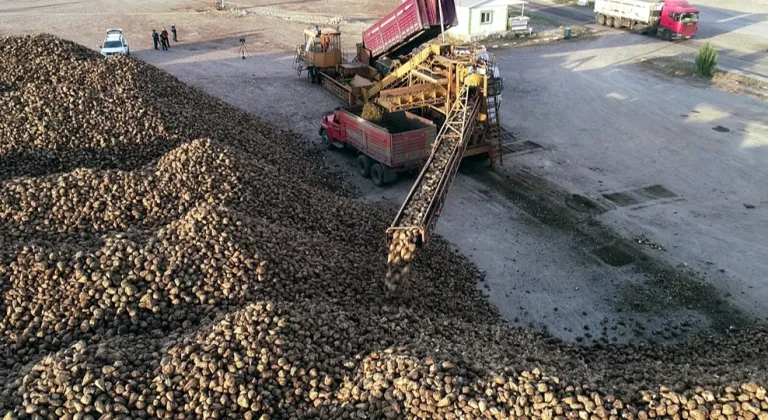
<point>493,131</point>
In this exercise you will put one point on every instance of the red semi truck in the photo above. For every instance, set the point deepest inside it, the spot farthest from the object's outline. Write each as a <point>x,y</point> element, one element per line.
<point>402,143</point>
<point>669,19</point>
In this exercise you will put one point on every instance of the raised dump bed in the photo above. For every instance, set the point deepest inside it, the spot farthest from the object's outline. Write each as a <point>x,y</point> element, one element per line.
<point>408,21</point>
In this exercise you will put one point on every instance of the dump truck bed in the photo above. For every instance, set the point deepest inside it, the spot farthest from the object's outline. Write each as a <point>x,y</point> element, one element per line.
<point>404,139</point>
<point>406,22</point>
<point>646,11</point>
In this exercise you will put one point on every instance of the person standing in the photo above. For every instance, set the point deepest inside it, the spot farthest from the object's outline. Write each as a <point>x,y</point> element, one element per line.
<point>173,31</point>
<point>155,38</point>
<point>164,39</point>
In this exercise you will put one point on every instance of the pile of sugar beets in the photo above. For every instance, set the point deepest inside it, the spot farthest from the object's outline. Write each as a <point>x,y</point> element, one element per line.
<point>165,255</point>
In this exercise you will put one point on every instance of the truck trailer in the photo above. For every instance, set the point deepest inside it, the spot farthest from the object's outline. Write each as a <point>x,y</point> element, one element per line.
<point>668,19</point>
<point>402,142</point>
<point>410,24</point>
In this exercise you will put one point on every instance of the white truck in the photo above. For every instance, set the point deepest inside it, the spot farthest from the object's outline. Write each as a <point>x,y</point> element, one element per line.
<point>669,19</point>
<point>115,43</point>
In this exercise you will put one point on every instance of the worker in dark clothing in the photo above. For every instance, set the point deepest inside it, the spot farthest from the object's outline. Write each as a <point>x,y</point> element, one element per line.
<point>155,38</point>
<point>164,39</point>
<point>173,31</point>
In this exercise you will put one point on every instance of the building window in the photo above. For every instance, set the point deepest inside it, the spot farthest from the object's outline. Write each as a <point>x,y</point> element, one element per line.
<point>486,17</point>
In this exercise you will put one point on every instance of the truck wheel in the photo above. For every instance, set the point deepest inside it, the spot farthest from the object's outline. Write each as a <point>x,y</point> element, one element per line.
<point>617,23</point>
<point>326,140</point>
<point>364,166</point>
<point>666,35</point>
<point>310,76</point>
<point>600,19</point>
<point>608,21</point>
<point>377,175</point>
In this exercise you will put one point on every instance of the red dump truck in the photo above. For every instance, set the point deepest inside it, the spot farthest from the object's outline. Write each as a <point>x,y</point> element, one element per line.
<point>669,19</point>
<point>401,143</point>
<point>413,19</point>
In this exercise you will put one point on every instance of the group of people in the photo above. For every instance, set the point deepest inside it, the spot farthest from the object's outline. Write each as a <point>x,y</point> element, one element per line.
<point>162,37</point>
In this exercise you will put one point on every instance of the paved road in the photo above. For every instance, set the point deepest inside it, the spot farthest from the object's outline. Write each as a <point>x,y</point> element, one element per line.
<point>740,32</point>
<point>580,15</point>
<point>647,149</point>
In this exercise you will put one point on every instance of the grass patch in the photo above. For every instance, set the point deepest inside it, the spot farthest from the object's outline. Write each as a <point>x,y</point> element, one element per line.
<point>706,61</point>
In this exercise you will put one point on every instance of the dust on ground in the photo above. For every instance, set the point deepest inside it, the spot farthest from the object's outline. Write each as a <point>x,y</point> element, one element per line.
<point>663,287</point>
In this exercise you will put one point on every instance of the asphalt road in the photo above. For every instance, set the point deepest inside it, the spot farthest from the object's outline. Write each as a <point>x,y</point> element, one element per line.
<point>682,165</point>
<point>740,32</point>
<point>580,15</point>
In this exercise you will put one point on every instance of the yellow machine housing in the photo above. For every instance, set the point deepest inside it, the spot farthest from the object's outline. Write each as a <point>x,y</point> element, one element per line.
<point>321,48</point>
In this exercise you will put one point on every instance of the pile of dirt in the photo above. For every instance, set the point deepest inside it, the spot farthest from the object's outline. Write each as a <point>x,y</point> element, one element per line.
<point>165,255</point>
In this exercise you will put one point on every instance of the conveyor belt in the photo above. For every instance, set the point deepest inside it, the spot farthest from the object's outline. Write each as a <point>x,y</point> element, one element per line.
<point>416,219</point>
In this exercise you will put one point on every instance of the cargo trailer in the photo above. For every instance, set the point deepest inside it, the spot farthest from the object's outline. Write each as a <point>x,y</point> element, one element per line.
<point>411,24</point>
<point>402,142</point>
<point>668,19</point>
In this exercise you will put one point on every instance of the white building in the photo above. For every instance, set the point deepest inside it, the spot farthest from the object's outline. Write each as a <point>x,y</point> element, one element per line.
<point>479,19</point>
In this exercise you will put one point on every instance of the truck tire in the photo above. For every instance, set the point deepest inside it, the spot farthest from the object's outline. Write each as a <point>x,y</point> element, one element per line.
<point>617,23</point>
<point>666,35</point>
<point>608,21</point>
<point>326,140</point>
<point>600,19</point>
<point>364,166</point>
<point>377,175</point>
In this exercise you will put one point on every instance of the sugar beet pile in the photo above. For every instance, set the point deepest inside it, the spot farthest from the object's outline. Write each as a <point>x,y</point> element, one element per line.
<point>163,254</point>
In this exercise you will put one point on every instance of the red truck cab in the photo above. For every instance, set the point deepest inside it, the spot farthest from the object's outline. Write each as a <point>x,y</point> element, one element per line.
<point>330,130</point>
<point>678,20</point>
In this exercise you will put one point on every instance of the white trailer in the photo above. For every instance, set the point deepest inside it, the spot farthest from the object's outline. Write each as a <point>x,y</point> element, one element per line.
<point>642,11</point>
<point>668,18</point>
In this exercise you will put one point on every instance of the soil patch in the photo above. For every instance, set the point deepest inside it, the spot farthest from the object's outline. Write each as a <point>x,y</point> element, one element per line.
<point>684,69</point>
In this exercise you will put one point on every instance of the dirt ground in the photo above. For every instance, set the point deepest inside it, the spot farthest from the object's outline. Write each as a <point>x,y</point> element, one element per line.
<point>581,127</point>
<point>685,69</point>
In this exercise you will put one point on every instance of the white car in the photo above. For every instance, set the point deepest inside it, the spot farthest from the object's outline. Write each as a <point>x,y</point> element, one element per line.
<point>115,44</point>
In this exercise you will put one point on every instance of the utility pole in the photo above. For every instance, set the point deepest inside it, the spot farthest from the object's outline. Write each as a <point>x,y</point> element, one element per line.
<point>442,25</point>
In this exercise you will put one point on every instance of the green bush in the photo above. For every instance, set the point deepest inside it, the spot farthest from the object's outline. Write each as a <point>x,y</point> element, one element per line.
<point>706,60</point>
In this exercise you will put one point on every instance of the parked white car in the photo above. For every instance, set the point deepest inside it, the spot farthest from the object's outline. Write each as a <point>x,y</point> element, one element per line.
<point>115,43</point>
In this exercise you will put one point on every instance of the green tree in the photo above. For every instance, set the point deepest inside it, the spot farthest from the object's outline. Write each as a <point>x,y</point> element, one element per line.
<point>706,60</point>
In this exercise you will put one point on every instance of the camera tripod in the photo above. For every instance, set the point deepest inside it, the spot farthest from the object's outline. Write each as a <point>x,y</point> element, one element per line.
<point>243,51</point>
